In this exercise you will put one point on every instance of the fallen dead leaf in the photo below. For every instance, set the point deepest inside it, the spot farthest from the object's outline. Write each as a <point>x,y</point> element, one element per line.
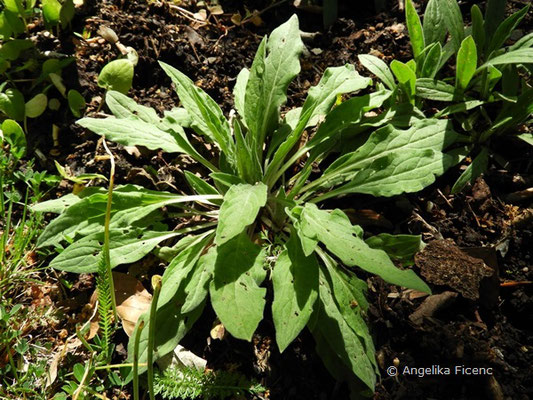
<point>132,300</point>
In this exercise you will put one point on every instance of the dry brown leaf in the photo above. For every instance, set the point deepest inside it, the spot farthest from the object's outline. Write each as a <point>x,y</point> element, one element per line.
<point>132,300</point>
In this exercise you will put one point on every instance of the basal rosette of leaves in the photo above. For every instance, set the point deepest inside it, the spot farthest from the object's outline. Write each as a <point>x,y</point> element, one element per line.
<point>468,72</point>
<point>265,219</point>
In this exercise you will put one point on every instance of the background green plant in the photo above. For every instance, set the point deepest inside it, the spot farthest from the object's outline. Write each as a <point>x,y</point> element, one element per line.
<point>487,92</point>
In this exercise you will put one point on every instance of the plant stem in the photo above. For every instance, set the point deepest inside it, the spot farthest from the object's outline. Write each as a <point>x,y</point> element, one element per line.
<point>156,285</point>
<point>136,361</point>
<point>107,254</point>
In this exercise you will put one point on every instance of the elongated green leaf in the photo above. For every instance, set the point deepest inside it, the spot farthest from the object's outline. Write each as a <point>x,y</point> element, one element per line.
<point>434,23</point>
<point>199,185</point>
<point>475,169</point>
<point>235,287</point>
<point>398,247</point>
<point>123,107</point>
<point>393,161</point>
<point>526,137</point>
<point>505,29</point>
<point>478,28</point>
<point>520,56</point>
<point>523,43</point>
<point>131,203</point>
<point>126,246</point>
<point>431,64</point>
<point>344,342</point>
<point>335,81</point>
<point>198,286</point>
<point>459,107</point>
<point>274,67</point>
<point>454,20</point>
<point>295,280</point>
<point>494,13</point>
<point>239,209</point>
<point>406,78</point>
<point>349,293</point>
<point>466,63</point>
<point>171,323</point>
<point>433,89</point>
<point>206,116</point>
<point>335,230</point>
<point>131,132</point>
<point>414,27</point>
<point>378,68</point>
<point>239,92</point>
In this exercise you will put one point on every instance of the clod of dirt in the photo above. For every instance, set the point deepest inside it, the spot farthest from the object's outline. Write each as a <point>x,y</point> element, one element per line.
<point>443,263</point>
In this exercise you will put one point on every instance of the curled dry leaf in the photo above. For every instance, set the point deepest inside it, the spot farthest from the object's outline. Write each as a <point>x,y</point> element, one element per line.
<point>132,300</point>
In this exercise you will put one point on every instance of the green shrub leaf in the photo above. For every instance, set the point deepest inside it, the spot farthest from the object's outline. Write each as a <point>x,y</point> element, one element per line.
<point>378,68</point>
<point>466,63</point>
<point>414,27</point>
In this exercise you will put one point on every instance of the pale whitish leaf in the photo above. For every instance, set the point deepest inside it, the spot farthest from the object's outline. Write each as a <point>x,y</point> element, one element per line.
<point>206,116</point>
<point>295,280</point>
<point>344,342</point>
<point>337,233</point>
<point>238,272</point>
<point>239,209</point>
<point>126,246</point>
<point>275,66</point>
<point>116,75</point>
<point>378,68</point>
<point>130,132</point>
<point>424,135</point>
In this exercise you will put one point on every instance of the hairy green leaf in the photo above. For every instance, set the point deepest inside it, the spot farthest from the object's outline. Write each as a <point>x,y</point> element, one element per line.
<point>505,29</point>
<point>235,287</point>
<point>433,89</point>
<point>399,247</point>
<point>117,75</point>
<point>378,68</point>
<point>335,230</point>
<point>474,170</point>
<point>414,27</point>
<point>454,20</point>
<point>239,209</point>
<point>295,280</point>
<point>466,63</point>
<point>434,23</point>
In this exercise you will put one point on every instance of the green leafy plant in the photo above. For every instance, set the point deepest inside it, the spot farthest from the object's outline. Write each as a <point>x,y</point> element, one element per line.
<point>488,93</point>
<point>191,383</point>
<point>260,212</point>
